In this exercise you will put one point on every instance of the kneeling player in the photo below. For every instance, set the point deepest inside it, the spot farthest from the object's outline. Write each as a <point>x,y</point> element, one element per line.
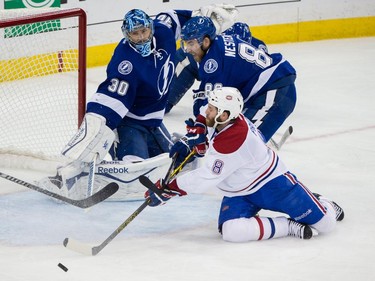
<point>251,177</point>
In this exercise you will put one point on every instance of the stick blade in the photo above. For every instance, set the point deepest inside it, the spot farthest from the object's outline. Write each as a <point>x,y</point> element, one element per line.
<point>100,196</point>
<point>78,247</point>
<point>150,185</point>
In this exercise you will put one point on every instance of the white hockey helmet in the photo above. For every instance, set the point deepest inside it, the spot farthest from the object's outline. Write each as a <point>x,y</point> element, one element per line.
<point>226,99</point>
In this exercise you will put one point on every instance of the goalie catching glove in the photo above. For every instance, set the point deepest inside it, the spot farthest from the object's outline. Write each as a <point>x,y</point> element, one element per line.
<point>93,138</point>
<point>222,15</point>
<point>194,139</point>
<point>167,191</point>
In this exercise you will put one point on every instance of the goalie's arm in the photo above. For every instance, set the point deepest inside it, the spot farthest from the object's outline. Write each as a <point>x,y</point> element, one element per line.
<point>93,138</point>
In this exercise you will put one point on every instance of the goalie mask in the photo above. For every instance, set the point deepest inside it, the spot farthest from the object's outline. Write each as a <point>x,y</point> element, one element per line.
<point>226,99</point>
<point>138,20</point>
<point>197,28</point>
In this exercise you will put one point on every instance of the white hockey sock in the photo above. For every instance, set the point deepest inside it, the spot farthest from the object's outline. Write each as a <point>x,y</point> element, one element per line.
<point>328,222</point>
<point>255,228</point>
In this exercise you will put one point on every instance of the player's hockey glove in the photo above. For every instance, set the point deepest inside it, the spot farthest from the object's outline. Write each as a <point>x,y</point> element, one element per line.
<point>199,102</point>
<point>194,139</point>
<point>222,15</point>
<point>166,192</point>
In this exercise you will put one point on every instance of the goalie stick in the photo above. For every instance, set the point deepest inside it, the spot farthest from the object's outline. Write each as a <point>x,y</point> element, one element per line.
<point>96,198</point>
<point>283,139</point>
<point>91,178</point>
<point>90,250</point>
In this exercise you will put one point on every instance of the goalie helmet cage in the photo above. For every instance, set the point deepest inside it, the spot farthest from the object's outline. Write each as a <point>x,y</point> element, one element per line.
<point>42,82</point>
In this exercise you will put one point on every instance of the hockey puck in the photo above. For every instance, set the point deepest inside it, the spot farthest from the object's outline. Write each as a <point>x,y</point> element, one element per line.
<point>63,267</point>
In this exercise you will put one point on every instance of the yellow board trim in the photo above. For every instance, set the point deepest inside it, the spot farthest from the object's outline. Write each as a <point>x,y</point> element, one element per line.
<point>279,33</point>
<point>36,66</point>
<point>315,30</point>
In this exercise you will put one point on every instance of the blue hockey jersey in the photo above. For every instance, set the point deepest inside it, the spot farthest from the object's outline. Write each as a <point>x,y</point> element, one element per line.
<point>245,65</point>
<point>136,87</point>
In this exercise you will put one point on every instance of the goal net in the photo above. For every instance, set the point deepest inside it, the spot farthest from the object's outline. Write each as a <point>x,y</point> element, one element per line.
<point>42,82</point>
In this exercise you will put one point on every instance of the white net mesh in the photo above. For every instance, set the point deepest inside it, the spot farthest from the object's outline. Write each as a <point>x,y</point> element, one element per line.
<point>38,84</point>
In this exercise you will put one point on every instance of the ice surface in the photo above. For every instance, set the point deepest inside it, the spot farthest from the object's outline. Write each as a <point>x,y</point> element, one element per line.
<point>331,151</point>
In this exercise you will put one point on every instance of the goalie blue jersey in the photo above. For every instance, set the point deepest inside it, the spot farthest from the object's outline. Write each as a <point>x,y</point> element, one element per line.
<point>136,87</point>
<point>244,65</point>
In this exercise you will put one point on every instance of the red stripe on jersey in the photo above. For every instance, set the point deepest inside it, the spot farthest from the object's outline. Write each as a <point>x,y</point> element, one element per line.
<point>231,139</point>
<point>261,227</point>
<point>316,201</point>
<point>290,178</point>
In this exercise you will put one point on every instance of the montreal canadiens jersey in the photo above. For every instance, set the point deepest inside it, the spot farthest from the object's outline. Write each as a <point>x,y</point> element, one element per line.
<point>237,163</point>
<point>246,66</point>
<point>136,87</point>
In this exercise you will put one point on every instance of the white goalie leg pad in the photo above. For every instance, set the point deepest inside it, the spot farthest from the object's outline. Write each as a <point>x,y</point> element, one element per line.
<point>72,179</point>
<point>125,173</point>
<point>65,181</point>
<point>93,138</point>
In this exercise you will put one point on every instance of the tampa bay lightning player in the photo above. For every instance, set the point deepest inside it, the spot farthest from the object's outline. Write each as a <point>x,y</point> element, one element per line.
<point>131,100</point>
<point>187,68</point>
<point>266,81</point>
<point>133,97</point>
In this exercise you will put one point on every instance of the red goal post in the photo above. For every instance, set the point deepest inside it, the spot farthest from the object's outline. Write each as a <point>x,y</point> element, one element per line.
<point>42,81</point>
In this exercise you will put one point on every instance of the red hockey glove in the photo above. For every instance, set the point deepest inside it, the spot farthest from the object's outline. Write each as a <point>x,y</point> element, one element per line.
<point>166,192</point>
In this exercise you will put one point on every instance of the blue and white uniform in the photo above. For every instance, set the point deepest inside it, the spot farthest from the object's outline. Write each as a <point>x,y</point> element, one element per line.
<point>266,81</point>
<point>187,68</point>
<point>134,94</point>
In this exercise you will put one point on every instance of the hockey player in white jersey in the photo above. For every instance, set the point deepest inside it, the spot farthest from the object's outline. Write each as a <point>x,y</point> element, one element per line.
<point>251,177</point>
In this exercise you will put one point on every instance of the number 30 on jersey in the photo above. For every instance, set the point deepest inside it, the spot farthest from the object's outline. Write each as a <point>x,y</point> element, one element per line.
<point>118,86</point>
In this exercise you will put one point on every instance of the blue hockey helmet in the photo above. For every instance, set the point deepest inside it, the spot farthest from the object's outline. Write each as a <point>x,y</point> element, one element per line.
<point>136,19</point>
<point>198,28</point>
<point>240,30</point>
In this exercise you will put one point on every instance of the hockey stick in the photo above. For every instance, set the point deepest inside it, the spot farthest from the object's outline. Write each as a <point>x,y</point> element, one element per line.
<point>91,177</point>
<point>100,196</point>
<point>283,139</point>
<point>179,168</point>
<point>169,172</point>
<point>92,251</point>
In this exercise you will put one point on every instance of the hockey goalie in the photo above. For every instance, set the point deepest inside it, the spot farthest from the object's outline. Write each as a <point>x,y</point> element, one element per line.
<point>90,145</point>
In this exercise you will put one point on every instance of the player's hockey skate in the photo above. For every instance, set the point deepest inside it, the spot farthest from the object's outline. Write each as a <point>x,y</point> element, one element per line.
<point>338,209</point>
<point>299,230</point>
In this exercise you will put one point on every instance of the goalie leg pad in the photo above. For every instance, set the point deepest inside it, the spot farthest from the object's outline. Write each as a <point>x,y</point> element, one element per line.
<point>73,179</point>
<point>93,138</point>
